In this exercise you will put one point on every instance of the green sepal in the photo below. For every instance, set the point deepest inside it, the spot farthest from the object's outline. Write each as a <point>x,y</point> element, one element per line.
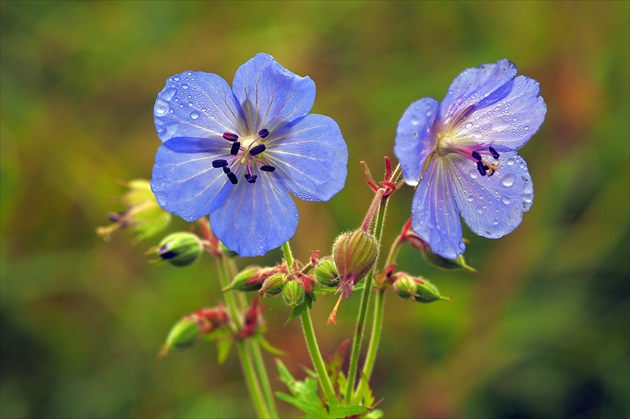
<point>309,297</point>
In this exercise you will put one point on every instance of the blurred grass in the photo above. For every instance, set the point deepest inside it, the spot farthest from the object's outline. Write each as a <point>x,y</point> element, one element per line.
<point>541,331</point>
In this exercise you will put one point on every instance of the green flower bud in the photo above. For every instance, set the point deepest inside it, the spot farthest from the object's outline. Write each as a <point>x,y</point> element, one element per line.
<point>293,293</point>
<point>355,254</point>
<point>249,279</point>
<point>180,249</point>
<point>273,285</point>
<point>184,334</point>
<point>442,262</point>
<point>143,214</point>
<point>426,292</point>
<point>326,272</point>
<point>405,287</point>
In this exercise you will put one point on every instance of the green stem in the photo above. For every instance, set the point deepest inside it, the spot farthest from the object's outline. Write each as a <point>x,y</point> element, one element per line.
<point>252,380</point>
<point>259,363</point>
<point>365,300</point>
<point>316,357</point>
<point>244,355</point>
<point>311,339</point>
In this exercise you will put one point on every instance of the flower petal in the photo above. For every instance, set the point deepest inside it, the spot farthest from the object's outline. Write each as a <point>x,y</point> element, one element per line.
<point>508,123</point>
<point>310,157</point>
<point>415,138</point>
<point>254,217</point>
<point>196,145</point>
<point>471,87</point>
<point>492,206</point>
<point>434,213</point>
<point>196,104</point>
<point>270,95</point>
<point>186,183</point>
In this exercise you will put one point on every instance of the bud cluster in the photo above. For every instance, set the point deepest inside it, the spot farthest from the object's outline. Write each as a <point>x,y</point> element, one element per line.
<point>253,278</point>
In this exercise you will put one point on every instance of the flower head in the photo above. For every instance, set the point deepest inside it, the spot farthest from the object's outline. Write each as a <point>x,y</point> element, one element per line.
<point>236,153</point>
<point>461,155</point>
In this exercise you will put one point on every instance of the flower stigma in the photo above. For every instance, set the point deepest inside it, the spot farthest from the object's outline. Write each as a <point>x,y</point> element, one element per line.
<point>243,151</point>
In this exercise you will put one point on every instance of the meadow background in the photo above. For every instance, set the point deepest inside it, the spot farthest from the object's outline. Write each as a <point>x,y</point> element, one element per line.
<point>541,332</point>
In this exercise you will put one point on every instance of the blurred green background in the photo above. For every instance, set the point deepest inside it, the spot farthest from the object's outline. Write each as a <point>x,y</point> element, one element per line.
<point>541,332</point>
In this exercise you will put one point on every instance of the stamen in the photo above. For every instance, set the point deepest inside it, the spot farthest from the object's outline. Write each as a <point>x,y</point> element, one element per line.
<point>250,178</point>
<point>267,168</point>
<point>232,178</point>
<point>219,163</point>
<point>226,169</point>
<point>263,133</point>
<point>257,150</point>
<point>235,148</point>
<point>476,156</point>
<point>229,136</point>
<point>494,153</point>
<point>481,168</point>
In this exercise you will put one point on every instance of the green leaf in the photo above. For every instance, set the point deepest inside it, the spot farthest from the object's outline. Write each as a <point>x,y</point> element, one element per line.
<point>304,394</point>
<point>268,347</point>
<point>223,348</point>
<point>341,411</point>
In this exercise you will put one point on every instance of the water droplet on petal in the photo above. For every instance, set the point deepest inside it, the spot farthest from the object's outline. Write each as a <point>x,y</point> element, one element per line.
<point>473,173</point>
<point>528,189</point>
<point>184,86</point>
<point>495,222</point>
<point>528,197</point>
<point>168,93</point>
<point>159,126</point>
<point>429,113</point>
<point>194,114</point>
<point>414,121</point>
<point>508,181</point>
<point>506,200</point>
<point>510,161</point>
<point>479,210</point>
<point>160,108</point>
<point>469,125</point>
<point>176,78</point>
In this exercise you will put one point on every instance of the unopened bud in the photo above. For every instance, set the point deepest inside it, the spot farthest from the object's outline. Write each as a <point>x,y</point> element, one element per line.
<point>184,334</point>
<point>355,254</point>
<point>445,263</point>
<point>326,272</point>
<point>427,292</point>
<point>180,249</point>
<point>143,214</point>
<point>273,285</point>
<point>405,287</point>
<point>246,280</point>
<point>293,293</point>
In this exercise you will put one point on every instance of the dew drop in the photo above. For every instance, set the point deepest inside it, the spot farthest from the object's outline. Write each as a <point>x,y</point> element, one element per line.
<point>495,222</point>
<point>159,126</point>
<point>184,86</point>
<point>506,200</point>
<point>473,173</point>
<point>508,181</point>
<point>176,78</point>
<point>469,125</point>
<point>429,113</point>
<point>528,197</point>
<point>414,121</point>
<point>528,189</point>
<point>479,210</point>
<point>462,245</point>
<point>161,107</point>
<point>168,93</point>
<point>525,127</point>
<point>470,198</point>
<point>194,114</point>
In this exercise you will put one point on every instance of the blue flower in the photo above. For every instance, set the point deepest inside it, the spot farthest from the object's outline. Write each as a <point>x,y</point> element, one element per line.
<point>461,156</point>
<point>235,154</point>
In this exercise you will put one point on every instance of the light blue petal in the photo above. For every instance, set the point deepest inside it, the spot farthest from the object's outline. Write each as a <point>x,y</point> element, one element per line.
<point>271,95</point>
<point>310,157</point>
<point>415,138</point>
<point>197,145</point>
<point>186,184</point>
<point>434,213</point>
<point>254,217</point>
<point>492,206</point>
<point>508,123</point>
<point>198,105</point>
<point>472,86</point>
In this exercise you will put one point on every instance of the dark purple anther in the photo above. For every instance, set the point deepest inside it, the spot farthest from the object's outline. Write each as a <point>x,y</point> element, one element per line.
<point>257,150</point>
<point>229,136</point>
<point>476,155</point>
<point>263,133</point>
<point>232,178</point>
<point>226,169</point>
<point>482,168</point>
<point>251,179</point>
<point>267,168</point>
<point>494,153</point>
<point>235,148</point>
<point>219,163</point>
